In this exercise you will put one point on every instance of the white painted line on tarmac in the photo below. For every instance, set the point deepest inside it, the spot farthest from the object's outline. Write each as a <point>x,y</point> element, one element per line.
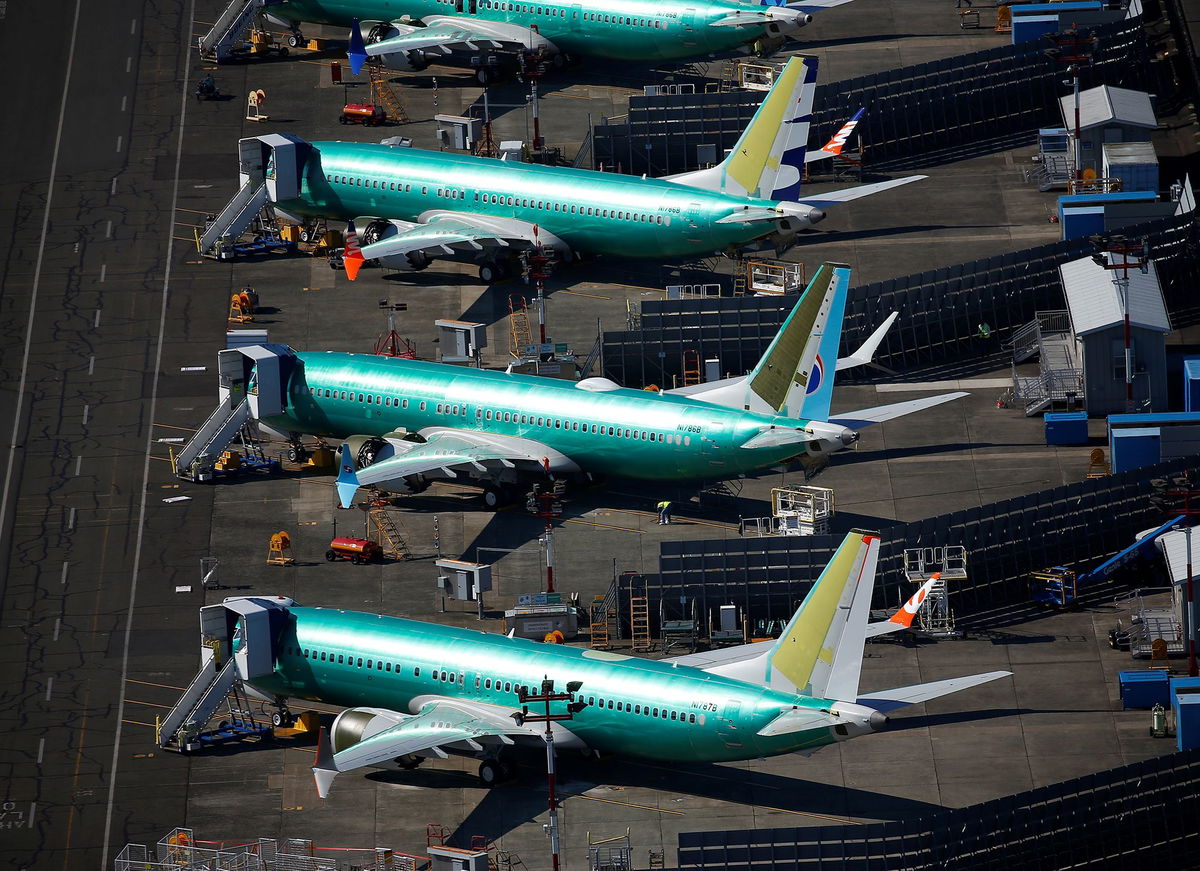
<point>41,744</point>
<point>104,266</point>
<point>71,519</point>
<point>92,364</point>
<point>184,97</point>
<point>124,102</point>
<point>13,441</point>
<point>108,232</point>
<point>64,572</point>
<point>128,64</point>
<point>132,26</point>
<point>120,140</point>
<point>87,409</point>
<point>78,464</point>
<point>32,812</point>
<point>57,629</point>
<point>49,687</point>
<point>112,189</point>
<point>96,320</point>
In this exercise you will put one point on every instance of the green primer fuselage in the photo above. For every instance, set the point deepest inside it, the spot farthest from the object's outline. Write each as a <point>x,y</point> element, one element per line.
<point>592,212</point>
<point>408,657</point>
<point>693,440</point>
<point>616,29</point>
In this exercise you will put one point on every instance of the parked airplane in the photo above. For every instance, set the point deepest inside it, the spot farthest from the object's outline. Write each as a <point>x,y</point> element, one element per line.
<point>412,206</point>
<point>415,33</point>
<point>407,422</point>
<point>414,690</point>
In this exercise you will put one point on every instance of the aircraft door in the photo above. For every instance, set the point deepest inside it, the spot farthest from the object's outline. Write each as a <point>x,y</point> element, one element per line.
<point>727,729</point>
<point>688,19</point>
<point>693,215</point>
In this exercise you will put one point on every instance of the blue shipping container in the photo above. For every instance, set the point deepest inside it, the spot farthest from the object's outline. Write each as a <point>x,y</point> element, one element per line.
<point>1191,385</point>
<point>1133,448</point>
<point>1183,686</point>
<point>1067,428</point>
<point>1145,689</point>
<point>1187,721</point>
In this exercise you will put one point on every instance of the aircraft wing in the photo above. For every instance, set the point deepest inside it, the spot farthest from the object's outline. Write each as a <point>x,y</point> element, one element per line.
<point>444,232</point>
<point>445,453</point>
<point>863,190</point>
<point>440,723</point>
<point>446,34</point>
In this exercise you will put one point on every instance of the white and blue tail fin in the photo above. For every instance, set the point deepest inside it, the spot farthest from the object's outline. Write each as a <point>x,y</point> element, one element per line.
<point>795,375</point>
<point>768,160</point>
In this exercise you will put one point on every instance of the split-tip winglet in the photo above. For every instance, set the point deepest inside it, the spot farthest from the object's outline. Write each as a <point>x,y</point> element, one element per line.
<point>357,53</point>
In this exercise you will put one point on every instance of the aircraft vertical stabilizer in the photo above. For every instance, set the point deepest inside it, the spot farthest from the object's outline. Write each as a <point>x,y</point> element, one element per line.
<point>768,159</point>
<point>820,651</point>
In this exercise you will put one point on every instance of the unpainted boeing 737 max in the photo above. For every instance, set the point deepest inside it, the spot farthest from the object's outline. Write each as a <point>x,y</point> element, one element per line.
<point>412,206</point>
<point>413,690</point>
<point>407,422</point>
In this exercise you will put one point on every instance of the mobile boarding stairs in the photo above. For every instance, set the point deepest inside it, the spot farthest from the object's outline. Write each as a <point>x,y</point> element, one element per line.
<point>269,171</point>
<point>237,644</point>
<point>252,383</point>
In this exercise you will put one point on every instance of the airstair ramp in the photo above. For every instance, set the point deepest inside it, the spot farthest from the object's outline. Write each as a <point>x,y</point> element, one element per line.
<point>214,435</point>
<point>237,215</point>
<point>230,27</point>
<point>199,701</point>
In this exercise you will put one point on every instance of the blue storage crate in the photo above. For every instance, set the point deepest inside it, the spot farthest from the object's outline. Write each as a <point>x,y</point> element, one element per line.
<point>1144,689</point>
<point>1191,385</point>
<point>1067,428</point>
<point>1187,721</point>
<point>1134,447</point>
<point>1184,686</point>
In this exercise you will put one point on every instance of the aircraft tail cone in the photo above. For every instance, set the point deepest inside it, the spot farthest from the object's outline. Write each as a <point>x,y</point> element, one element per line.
<point>878,721</point>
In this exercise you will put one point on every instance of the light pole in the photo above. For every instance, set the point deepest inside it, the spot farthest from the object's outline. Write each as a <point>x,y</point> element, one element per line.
<point>546,696</point>
<point>1073,48</point>
<point>1108,249</point>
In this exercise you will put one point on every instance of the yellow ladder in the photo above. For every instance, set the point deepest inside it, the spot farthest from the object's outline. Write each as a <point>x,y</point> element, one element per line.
<point>520,331</point>
<point>383,95</point>
<point>691,367</point>
<point>639,620</point>
<point>600,637</point>
<point>391,541</point>
<point>739,277</point>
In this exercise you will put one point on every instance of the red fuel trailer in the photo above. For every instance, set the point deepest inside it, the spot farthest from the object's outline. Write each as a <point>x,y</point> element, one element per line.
<point>357,550</point>
<point>362,113</point>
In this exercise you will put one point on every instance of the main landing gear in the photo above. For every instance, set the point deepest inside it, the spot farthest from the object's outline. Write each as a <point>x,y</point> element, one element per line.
<point>493,772</point>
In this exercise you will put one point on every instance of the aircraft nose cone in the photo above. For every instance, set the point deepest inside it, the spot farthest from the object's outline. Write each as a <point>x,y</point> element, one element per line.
<point>849,437</point>
<point>816,216</point>
<point>877,721</point>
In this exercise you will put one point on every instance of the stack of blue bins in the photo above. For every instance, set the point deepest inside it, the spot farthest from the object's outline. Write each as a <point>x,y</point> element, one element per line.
<point>1185,700</point>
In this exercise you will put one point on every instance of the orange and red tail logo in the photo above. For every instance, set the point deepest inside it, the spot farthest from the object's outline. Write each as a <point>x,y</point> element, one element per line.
<point>352,257</point>
<point>906,614</point>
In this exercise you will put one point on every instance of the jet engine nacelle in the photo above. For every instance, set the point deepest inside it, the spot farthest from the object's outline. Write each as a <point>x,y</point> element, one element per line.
<point>355,725</point>
<point>377,231</point>
<point>378,31</point>
<point>368,449</point>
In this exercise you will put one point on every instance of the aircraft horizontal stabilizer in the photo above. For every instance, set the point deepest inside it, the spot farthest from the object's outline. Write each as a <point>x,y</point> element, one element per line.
<point>866,351</point>
<point>890,700</point>
<point>816,5</point>
<point>847,194</point>
<point>882,413</point>
<point>798,720</point>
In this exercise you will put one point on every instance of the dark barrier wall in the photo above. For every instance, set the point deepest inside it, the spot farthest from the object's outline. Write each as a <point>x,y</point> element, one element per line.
<point>1077,525</point>
<point>917,116</point>
<point>1144,815</point>
<point>940,311</point>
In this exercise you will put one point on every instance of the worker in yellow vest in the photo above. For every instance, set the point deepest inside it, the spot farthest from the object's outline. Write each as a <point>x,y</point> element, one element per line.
<point>664,513</point>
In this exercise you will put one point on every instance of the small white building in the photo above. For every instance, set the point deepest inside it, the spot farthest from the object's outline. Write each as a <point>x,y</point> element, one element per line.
<point>1096,304</point>
<point>1108,114</point>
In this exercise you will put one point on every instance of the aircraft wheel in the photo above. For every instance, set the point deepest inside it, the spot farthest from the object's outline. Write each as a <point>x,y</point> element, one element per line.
<point>495,496</point>
<point>559,60</point>
<point>483,76</point>
<point>296,40</point>
<point>408,763</point>
<point>283,719</point>
<point>491,773</point>
<point>490,272</point>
